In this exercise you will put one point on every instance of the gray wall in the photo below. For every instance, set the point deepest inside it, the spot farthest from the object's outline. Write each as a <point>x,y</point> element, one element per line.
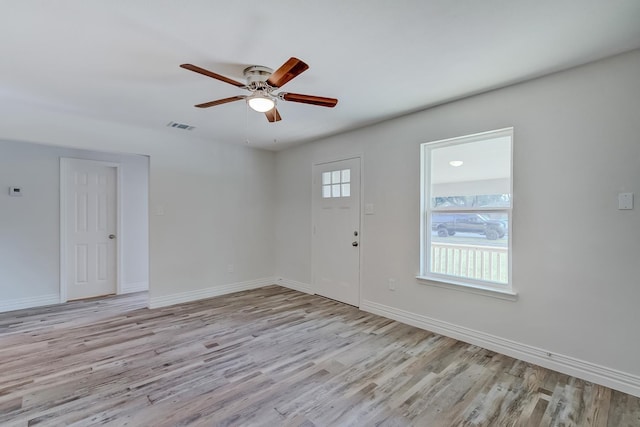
<point>30,225</point>
<point>575,255</point>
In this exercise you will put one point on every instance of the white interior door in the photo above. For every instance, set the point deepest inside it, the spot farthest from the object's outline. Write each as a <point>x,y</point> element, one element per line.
<point>90,227</point>
<point>336,230</point>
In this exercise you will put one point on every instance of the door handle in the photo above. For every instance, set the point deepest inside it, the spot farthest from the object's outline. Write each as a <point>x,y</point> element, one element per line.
<point>354,244</point>
<point>112,236</point>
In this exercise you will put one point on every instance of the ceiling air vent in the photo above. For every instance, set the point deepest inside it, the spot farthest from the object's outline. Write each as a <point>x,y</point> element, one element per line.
<point>180,126</point>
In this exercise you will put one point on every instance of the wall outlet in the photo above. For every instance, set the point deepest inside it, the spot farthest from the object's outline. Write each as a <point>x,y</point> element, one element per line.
<point>392,284</point>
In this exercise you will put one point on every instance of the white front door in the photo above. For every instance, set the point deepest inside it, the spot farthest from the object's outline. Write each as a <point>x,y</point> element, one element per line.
<point>89,197</point>
<point>336,230</point>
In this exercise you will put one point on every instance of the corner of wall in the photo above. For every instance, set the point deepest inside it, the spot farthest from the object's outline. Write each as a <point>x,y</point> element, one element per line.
<point>213,291</point>
<point>129,288</point>
<point>297,286</point>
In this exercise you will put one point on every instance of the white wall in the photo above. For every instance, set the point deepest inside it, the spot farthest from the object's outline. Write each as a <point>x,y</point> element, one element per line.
<point>217,198</point>
<point>575,254</point>
<point>135,223</point>
<point>30,225</point>
<point>218,202</point>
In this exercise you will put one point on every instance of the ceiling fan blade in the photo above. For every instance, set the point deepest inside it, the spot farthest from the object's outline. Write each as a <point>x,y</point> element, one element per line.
<point>287,71</point>
<point>309,99</point>
<point>219,101</point>
<point>211,74</point>
<point>273,115</point>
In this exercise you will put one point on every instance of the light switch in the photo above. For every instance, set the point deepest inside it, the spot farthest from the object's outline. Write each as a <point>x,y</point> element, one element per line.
<point>368,209</point>
<point>625,201</point>
<point>15,191</point>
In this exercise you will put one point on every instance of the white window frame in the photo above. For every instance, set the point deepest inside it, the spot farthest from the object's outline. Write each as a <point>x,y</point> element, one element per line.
<point>495,289</point>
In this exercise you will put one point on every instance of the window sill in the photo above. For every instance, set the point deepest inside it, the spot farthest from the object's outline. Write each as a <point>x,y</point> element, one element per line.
<point>504,294</point>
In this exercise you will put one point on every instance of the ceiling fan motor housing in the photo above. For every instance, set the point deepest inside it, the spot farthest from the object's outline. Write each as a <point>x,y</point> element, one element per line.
<point>262,99</point>
<point>257,74</point>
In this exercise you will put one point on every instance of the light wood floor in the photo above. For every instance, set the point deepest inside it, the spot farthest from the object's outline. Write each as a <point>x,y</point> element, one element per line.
<point>271,357</point>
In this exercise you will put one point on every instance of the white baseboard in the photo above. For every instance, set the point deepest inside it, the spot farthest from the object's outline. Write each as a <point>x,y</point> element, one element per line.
<point>135,287</point>
<point>297,286</point>
<point>30,302</point>
<point>588,371</point>
<point>214,291</point>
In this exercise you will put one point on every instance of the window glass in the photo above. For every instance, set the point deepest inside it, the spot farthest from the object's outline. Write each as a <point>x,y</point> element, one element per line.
<point>466,203</point>
<point>335,190</point>
<point>326,178</point>
<point>336,183</point>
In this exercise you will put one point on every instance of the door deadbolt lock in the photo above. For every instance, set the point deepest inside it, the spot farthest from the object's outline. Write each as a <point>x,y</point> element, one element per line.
<point>354,244</point>
<point>355,233</point>
<point>112,236</point>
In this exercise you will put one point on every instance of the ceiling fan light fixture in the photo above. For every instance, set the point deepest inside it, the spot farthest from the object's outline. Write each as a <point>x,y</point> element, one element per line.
<point>261,103</point>
<point>262,82</point>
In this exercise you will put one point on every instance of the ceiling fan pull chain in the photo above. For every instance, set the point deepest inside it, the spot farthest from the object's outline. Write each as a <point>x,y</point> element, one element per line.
<point>246,122</point>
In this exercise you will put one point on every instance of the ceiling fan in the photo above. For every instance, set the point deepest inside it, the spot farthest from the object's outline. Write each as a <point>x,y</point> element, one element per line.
<point>262,82</point>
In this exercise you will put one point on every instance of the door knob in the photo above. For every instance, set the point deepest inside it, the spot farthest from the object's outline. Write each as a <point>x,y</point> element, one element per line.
<point>354,244</point>
<point>112,236</point>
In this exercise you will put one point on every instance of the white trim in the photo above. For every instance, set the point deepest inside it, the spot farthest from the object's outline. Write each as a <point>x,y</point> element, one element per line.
<point>479,136</point>
<point>29,302</point>
<point>65,164</point>
<point>426,212</point>
<point>297,286</point>
<point>472,288</point>
<point>338,159</point>
<point>64,170</point>
<point>128,288</point>
<point>622,381</point>
<point>214,291</point>
<point>119,236</point>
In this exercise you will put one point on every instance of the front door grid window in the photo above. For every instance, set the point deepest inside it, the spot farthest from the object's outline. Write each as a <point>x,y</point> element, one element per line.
<point>336,184</point>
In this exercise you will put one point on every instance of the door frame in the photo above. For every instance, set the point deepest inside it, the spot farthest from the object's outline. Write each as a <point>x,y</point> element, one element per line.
<point>360,157</point>
<point>65,167</point>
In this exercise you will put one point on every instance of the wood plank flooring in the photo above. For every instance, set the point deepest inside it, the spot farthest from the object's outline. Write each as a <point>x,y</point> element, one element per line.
<point>271,357</point>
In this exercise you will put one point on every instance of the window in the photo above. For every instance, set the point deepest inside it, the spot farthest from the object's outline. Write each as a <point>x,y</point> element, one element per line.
<point>336,183</point>
<point>466,202</point>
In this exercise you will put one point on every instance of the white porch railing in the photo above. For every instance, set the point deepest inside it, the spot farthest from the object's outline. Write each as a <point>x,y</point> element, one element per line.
<point>488,263</point>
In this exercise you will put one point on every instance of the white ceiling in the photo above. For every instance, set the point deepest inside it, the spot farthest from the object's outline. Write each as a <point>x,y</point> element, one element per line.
<point>117,60</point>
